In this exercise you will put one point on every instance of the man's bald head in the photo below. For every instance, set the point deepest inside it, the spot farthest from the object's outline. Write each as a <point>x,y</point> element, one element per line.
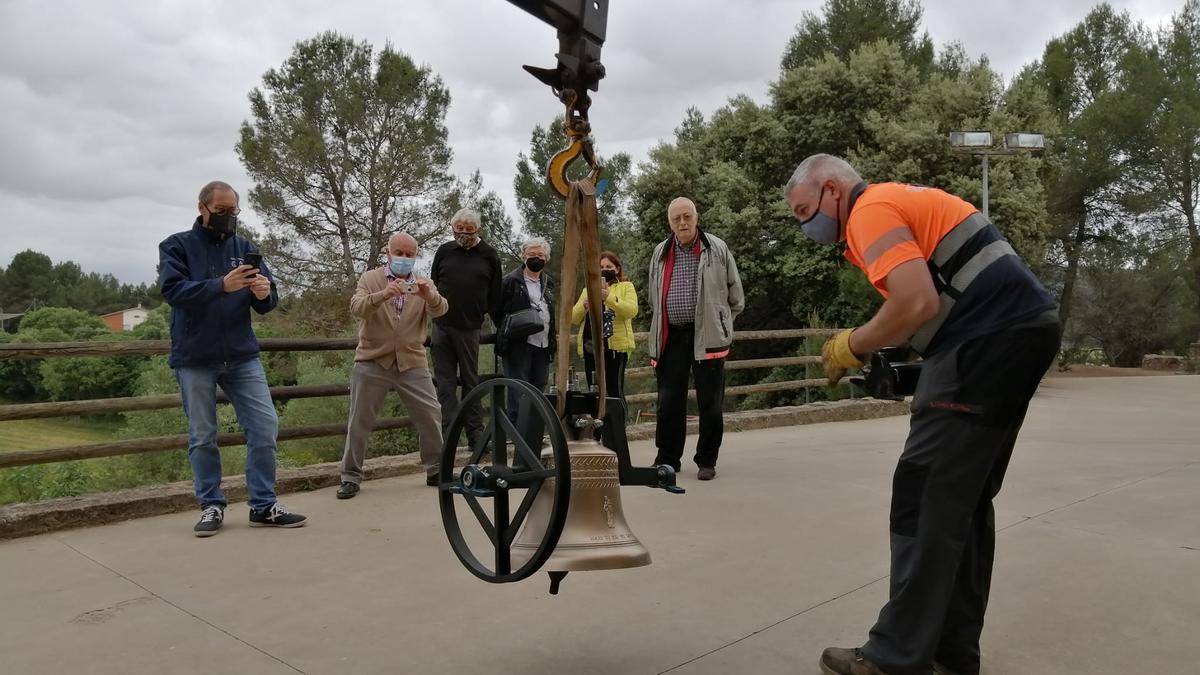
<point>402,245</point>
<point>683,219</point>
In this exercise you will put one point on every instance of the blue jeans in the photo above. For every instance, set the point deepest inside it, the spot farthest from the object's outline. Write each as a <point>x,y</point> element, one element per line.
<point>246,386</point>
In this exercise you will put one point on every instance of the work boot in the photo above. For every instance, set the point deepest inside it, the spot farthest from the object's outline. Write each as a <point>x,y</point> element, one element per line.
<point>838,661</point>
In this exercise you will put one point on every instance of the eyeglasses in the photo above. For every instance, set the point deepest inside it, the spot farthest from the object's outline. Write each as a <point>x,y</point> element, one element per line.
<point>235,211</point>
<point>463,230</point>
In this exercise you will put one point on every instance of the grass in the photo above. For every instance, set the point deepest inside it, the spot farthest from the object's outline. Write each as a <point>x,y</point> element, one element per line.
<point>55,432</point>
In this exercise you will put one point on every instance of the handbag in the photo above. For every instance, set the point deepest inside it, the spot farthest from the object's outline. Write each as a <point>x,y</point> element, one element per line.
<point>521,324</point>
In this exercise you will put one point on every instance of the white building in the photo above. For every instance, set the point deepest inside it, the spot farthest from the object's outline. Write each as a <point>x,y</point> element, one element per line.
<point>125,319</point>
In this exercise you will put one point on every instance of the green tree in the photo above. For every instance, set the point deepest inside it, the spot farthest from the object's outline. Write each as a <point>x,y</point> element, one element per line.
<point>29,281</point>
<point>1082,73</point>
<point>22,380</point>
<point>497,225</point>
<point>84,377</point>
<point>1164,80</point>
<point>1136,300</point>
<point>76,324</point>
<point>843,26</point>
<point>912,146</point>
<point>157,325</point>
<point>542,210</point>
<point>345,147</point>
<point>874,103</point>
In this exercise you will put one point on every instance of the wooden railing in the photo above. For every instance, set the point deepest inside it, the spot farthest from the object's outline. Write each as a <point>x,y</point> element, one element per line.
<point>25,411</point>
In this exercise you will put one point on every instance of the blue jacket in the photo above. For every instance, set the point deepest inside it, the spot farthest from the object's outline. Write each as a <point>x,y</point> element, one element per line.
<point>208,326</point>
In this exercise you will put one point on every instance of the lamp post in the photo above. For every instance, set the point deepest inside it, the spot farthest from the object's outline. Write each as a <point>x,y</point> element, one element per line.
<point>979,144</point>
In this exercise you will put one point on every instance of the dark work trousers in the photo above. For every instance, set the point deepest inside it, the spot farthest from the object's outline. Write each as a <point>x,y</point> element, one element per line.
<point>967,410</point>
<point>523,361</point>
<point>614,371</point>
<point>456,361</point>
<point>676,360</point>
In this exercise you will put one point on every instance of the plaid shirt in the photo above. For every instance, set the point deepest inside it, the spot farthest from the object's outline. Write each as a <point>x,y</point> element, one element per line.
<point>398,301</point>
<point>681,296</point>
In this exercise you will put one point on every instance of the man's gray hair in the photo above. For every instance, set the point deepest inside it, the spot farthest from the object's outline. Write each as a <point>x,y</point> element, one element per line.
<point>820,168</point>
<point>535,242</point>
<point>468,216</point>
<point>206,192</point>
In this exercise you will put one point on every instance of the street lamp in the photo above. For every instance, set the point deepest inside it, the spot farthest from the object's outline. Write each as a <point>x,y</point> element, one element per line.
<point>979,143</point>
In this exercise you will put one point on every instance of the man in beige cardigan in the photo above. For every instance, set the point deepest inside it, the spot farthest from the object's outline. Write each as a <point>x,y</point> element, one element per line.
<point>393,307</point>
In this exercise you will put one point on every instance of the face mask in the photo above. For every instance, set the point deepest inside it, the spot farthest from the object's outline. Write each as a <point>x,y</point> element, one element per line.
<point>610,276</point>
<point>225,223</point>
<point>401,267</point>
<point>821,228</point>
<point>464,239</point>
<point>535,264</point>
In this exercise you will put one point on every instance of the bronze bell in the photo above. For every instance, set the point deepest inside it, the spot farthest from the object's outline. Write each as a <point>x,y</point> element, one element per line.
<point>595,536</point>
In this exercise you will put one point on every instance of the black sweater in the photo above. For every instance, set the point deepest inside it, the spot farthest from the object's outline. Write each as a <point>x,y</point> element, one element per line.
<point>469,279</point>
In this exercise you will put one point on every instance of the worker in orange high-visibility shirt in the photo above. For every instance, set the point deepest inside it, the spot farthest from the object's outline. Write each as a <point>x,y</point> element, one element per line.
<point>989,330</point>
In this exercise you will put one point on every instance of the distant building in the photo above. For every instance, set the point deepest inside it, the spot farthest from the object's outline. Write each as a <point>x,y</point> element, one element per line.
<point>125,319</point>
<point>5,318</point>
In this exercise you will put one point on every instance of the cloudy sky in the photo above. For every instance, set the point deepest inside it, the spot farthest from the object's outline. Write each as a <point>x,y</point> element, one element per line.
<point>116,112</point>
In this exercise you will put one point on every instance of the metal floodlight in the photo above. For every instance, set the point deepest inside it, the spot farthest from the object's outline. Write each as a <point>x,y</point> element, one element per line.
<point>1025,141</point>
<point>971,139</point>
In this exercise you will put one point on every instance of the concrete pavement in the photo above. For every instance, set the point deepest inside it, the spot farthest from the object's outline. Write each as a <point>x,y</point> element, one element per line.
<point>1097,571</point>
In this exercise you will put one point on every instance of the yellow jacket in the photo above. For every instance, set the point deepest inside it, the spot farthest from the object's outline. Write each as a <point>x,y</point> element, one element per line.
<point>622,300</point>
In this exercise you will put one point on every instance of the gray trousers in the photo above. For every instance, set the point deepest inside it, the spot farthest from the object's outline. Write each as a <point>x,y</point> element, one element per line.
<point>369,385</point>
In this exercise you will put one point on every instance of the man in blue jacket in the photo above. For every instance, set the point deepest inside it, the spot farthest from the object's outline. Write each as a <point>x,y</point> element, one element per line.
<point>204,278</point>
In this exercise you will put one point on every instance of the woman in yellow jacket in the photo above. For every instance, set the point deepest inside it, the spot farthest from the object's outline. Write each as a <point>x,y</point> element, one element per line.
<point>620,306</point>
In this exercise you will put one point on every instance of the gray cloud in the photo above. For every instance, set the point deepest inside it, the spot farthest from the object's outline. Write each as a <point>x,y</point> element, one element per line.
<point>117,112</point>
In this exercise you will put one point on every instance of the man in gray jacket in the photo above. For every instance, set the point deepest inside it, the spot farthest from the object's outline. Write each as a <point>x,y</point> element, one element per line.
<point>695,294</point>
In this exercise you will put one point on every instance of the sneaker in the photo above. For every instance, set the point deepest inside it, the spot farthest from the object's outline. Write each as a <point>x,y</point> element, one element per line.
<point>347,490</point>
<point>211,518</point>
<point>706,473</point>
<point>836,661</point>
<point>276,516</point>
<point>431,479</point>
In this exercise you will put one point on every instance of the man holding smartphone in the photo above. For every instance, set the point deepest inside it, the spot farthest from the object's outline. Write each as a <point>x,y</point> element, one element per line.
<point>212,278</point>
<point>393,306</point>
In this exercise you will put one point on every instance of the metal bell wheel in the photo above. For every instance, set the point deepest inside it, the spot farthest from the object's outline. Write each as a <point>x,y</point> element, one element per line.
<point>489,474</point>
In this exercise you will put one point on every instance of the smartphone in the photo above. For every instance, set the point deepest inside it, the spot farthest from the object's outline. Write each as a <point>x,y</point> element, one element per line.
<point>254,260</point>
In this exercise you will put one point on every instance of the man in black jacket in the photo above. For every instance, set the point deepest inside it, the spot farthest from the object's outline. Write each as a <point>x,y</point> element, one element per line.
<point>467,273</point>
<point>204,277</point>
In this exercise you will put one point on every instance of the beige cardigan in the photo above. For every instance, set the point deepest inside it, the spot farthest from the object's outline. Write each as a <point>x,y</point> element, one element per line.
<point>382,336</point>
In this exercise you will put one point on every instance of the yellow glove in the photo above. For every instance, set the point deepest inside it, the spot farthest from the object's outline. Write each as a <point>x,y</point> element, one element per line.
<point>836,357</point>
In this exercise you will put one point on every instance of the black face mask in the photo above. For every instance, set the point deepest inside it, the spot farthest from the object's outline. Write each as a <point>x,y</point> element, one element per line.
<point>223,223</point>
<point>535,264</point>
<point>610,276</point>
